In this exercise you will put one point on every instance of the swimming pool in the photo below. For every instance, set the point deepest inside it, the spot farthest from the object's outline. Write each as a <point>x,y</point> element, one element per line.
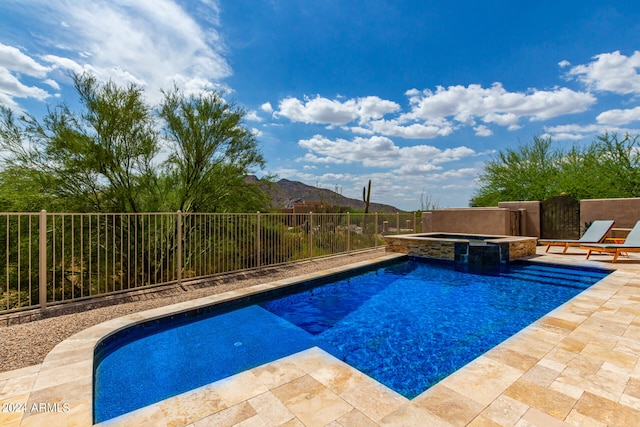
<point>406,324</point>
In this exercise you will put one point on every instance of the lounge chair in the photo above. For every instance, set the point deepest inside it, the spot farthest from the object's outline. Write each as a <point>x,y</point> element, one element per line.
<point>596,233</point>
<point>631,244</point>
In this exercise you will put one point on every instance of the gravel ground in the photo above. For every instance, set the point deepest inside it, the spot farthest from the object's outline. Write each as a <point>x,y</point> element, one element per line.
<point>27,344</point>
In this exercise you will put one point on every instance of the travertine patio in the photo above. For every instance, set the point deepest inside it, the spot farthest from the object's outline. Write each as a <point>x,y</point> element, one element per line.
<point>576,366</point>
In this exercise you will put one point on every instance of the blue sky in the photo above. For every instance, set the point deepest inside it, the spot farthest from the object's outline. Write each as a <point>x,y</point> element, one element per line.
<point>414,95</point>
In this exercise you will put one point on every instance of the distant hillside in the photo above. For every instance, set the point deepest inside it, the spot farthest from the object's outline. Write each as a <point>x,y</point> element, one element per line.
<point>284,193</point>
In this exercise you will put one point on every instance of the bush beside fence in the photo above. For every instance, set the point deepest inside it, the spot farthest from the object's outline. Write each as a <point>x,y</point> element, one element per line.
<point>54,258</point>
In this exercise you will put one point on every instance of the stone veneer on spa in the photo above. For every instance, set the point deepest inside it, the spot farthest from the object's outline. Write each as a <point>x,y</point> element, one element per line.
<point>464,249</point>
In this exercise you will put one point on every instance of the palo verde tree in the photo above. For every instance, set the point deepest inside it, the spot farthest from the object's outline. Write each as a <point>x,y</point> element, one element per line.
<point>607,167</point>
<point>528,172</point>
<point>212,153</point>
<point>99,160</point>
<point>619,164</point>
<point>106,157</point>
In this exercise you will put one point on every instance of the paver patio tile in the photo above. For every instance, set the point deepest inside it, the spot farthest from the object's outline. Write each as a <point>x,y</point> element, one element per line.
<point>270,409</point>
<point>607,411</point>
<point>546,400</point>
<point>448,404</point>
<point>505,411</point>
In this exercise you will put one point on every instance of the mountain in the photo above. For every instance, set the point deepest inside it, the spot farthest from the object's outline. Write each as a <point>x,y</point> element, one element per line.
<point>284,193</point>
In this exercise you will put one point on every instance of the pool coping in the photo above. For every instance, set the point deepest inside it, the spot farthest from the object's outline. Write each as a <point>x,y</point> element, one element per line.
<point>600,327</point>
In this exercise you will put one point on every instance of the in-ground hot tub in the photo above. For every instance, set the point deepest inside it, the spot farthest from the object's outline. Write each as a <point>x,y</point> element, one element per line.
<point>475,250</point>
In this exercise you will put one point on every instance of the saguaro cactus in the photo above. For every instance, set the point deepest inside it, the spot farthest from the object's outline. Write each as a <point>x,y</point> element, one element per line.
<point>366,197</point>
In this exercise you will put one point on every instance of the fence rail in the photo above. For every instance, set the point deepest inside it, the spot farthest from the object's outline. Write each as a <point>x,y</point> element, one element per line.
<point>55,258</point>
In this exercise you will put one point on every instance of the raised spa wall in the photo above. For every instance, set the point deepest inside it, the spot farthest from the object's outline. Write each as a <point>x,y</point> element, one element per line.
<point>462,248</point>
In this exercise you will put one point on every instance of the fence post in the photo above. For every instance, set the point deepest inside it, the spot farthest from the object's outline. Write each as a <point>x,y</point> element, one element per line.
<point>375,231</point>
<point>258,264</point>
<point>310,235</point>
<point>415,224</point>
<point>179,238</point>
<point>348,233</point>
<point>42,262</point>
<point>398,223</point>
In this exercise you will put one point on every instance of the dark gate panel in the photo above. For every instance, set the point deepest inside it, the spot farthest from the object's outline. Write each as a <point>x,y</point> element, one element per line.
<point>560,218</point>
<point>515,223</point>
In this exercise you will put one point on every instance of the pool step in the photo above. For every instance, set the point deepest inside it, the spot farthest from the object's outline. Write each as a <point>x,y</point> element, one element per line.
<point>542,269</point>
<point>555,278</point>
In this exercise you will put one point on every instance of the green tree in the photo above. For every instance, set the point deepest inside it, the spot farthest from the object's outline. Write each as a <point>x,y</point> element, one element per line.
<point>581,173</point>
<point>619,161</point>
<point>100,160</point>
<point>106,158</point>
<point>212,154</point>
<point>529,172</point>
<point>607,167</point>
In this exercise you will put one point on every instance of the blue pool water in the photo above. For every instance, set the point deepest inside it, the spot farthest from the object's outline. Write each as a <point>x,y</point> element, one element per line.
<point>408,325</point>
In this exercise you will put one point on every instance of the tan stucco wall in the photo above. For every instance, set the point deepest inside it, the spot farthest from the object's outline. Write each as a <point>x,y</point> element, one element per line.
<point>531,214</point>
<point>625,212</point>
<point>467,220</point>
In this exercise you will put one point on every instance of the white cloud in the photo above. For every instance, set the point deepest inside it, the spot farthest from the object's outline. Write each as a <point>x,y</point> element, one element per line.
<point>619,117</point>
<point>381,152</point>
<point>11,87</point>
<point>318,110</point>
<point>13,59</point>
<point>54,84</point>
<point>153,43</point>
<point>414,130</point>
<point>155,38</point>
<point>326,111</point>
<point>14,63</point>
<point>266,107</point>
<point>59,62</point>
<point>572,128</point>
<point>253,116</point>
<point>611,72</point>
<point>438,113</point>
<point>495,104</point>
<point>482,130</point>
<point>8,102</point>
<point>564,136</point>
<point>577,131</point>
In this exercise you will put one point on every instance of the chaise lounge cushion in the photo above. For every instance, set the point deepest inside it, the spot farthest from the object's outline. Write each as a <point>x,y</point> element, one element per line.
<point>631,244</point>
<point>596,233</point>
